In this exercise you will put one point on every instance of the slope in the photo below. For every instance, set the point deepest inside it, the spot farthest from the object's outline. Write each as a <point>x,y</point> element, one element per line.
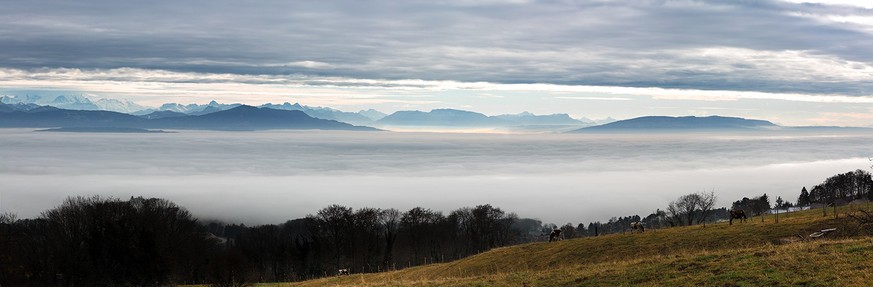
<point>744,254</point>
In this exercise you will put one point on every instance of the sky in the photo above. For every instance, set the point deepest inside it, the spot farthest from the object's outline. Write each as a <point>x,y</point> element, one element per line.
<point>791,62</point>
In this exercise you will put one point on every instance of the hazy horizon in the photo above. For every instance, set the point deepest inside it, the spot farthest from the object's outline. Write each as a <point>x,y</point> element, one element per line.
<point>273,176</point>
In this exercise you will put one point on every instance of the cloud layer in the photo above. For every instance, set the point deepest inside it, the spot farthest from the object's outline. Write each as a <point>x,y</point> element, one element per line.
<point>762,46</point>
<point>274,176</point>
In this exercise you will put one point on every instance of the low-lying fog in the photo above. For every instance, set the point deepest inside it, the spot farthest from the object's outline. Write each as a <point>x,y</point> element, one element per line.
<point>270,177</point>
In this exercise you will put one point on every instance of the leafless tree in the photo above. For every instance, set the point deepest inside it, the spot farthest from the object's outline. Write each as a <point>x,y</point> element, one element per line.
<point>336,221</point>
<point>674,213</point>
<point>691,208</point>
<point>705,203</point>
<point>686,205</point>
<point>390,220</point>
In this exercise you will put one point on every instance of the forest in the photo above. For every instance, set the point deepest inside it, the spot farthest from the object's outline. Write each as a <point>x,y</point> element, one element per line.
<point>88,241</point>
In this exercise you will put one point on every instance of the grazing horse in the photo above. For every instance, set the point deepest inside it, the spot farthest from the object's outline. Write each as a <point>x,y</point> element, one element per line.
<point>636,225</point>
<point>737,214</point>
<point>555,235</point>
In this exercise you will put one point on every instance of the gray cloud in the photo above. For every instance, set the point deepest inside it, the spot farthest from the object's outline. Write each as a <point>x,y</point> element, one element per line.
<point>742,45</point>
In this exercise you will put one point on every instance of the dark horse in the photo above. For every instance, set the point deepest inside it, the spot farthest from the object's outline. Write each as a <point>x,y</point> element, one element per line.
<point>555,235</point>
<point>636,225</point>
<point>737,214</point>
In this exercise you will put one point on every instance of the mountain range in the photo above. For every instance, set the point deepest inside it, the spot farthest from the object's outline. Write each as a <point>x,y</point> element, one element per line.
<point>446,118</point>
<point>359,118</point>
<point>75,102</point>
<point>252,118</point>
<point>441,117</point>
<point>239,118</point>
<point>527,118</point>
<point>461,118</point>
<point>88,111</point>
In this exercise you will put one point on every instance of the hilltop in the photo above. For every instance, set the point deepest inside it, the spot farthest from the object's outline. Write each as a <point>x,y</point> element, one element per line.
<point>651,123</point>
<point>744,254</point>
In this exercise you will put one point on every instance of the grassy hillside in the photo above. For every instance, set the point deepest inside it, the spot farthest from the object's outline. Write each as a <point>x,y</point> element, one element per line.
<point>744,254</point>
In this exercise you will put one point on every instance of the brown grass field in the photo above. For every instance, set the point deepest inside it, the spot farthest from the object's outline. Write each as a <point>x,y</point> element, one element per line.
<point>744,254</point>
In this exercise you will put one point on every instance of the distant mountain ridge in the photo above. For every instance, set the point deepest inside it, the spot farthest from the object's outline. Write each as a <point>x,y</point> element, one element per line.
<point>527,118</point>
<point>372,114</point>
<point>652,123</point>
<point>441,117</point>
<point>47,116</point>
<point>240,118</point>
<point>253,118</point>
<point>162,114</point>
<point>17,107</point>
<point>190,109</point>
<point>328,113</point>
<point>453,118</point>
<point>295,116</point>
<point>64,110</point>
<point>75,102</point>
<point>447,118</point>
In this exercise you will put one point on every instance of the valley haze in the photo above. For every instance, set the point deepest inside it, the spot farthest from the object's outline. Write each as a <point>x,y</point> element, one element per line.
<point>273,176</point>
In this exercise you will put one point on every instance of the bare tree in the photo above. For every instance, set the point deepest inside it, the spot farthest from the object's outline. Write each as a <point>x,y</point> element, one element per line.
<point>674,213</point>
<point>687,204</point>
<point>335,221</point>
<point>691,208</point>
<point>419,222</point>
<point>366,243</point>
<point>705,203</point>
<point>390,220</point>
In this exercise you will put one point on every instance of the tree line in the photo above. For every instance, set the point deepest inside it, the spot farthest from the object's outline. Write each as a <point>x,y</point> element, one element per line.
<point>151,242</point>
<point>95,241</point>
<point>846,187</point>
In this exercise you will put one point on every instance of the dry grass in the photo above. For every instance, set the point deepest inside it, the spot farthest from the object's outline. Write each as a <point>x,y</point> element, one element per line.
<point>744,254</point>
<point>821,263</point>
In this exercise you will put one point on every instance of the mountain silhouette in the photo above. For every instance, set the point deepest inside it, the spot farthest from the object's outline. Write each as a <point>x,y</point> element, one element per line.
<point>527,118</point>
<point>252,118</point>
<point>238,118</point>
<point>442,117</point>
<point>653,123</point>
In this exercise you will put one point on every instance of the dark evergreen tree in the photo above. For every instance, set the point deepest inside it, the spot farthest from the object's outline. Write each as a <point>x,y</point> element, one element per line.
<point>803,199</point>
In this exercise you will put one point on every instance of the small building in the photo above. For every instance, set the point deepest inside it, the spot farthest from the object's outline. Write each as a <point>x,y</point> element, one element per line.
<point>786,210</point>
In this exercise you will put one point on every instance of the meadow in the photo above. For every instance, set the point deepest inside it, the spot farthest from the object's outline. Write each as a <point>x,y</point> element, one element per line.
<point>752,253</point>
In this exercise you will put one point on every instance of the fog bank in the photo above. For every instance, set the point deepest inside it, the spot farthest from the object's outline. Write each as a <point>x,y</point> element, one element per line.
<point>270,177</point>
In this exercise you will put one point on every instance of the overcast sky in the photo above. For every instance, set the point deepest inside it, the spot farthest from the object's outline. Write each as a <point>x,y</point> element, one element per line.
<point>790,62</point>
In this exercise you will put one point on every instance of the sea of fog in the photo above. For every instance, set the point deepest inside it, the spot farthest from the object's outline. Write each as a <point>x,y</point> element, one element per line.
<point>273,176</point>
